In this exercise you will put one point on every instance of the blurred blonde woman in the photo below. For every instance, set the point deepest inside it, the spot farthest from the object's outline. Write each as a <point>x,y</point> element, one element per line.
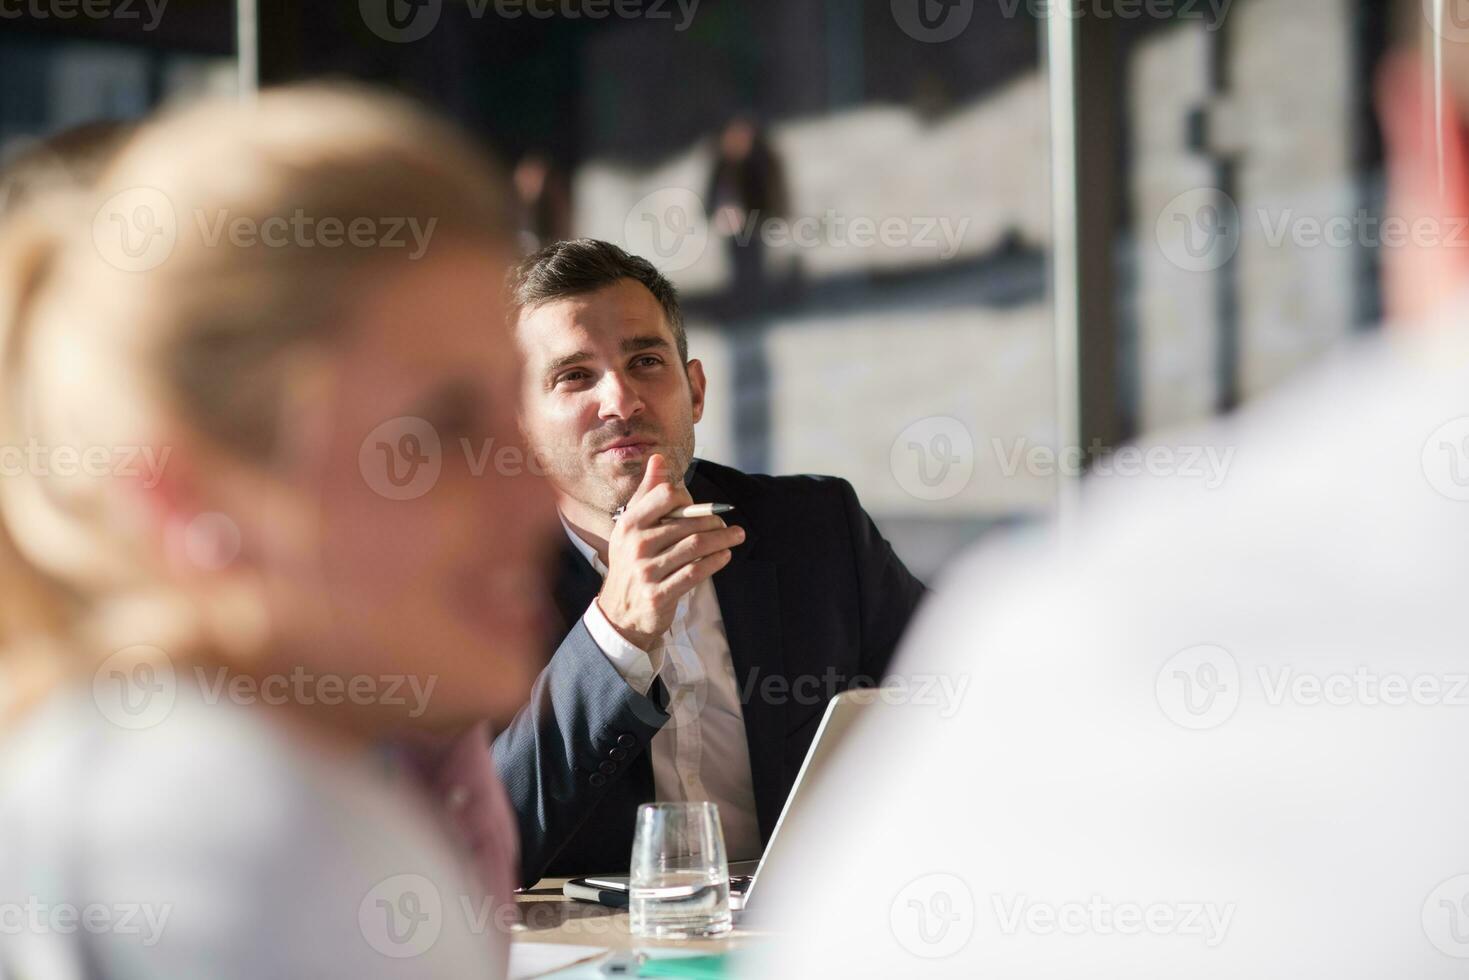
<point>262,590</point>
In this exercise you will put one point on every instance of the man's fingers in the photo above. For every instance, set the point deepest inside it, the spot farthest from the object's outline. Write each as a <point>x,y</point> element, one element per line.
<point>693,548</point>
<point>655,474</point>
<point>686,578</point>
<point>659,538</point>
<point>649,509</point>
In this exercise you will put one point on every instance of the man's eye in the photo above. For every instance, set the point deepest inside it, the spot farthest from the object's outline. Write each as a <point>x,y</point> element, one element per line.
<point>572,377</point>
<point>647,361</point>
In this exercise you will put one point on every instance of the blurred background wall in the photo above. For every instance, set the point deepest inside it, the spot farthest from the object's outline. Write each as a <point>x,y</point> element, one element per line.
<point>855,197</point>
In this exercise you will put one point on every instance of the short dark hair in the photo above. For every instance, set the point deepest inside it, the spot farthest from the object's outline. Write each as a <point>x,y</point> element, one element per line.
<point>585,265</point>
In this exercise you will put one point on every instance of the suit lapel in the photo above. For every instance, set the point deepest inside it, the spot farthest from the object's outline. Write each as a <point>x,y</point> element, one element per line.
<point>750,604</point>
<point>577,584</point>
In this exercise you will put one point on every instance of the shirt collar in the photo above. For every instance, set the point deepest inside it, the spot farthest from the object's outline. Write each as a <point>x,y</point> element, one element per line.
<point>587,551</point>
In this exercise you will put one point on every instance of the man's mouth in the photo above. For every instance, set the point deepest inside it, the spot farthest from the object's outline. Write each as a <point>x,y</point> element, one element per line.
<point>632,447</point>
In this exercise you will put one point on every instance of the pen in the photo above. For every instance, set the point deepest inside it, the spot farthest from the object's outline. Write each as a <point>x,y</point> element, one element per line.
<point>685,513</point>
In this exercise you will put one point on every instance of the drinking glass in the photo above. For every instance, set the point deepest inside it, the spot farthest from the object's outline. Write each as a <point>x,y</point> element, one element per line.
<point>679,887</point>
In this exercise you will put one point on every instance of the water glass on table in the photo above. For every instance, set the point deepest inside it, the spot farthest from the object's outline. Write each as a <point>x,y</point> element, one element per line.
<point>679,886</point>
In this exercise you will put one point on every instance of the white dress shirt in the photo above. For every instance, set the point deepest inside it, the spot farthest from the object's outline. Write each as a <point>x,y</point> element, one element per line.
<point>701,753</point>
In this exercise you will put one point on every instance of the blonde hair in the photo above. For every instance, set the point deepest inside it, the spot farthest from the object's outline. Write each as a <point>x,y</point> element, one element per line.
<point>104,345</point>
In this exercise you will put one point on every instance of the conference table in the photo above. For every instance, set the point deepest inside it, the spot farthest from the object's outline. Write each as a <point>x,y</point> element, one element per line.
<point>547,916</point>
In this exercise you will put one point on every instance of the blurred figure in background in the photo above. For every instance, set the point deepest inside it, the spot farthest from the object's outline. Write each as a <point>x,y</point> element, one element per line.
<point>543,195</point>
<point>262,612</point>
<point>746,189</point>
<point>1218,734</point>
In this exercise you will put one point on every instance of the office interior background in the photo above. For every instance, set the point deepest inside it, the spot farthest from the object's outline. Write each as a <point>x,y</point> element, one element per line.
<point>940,292</point>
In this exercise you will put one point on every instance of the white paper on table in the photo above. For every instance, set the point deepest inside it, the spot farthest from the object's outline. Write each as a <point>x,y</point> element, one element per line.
<point>529,960</point>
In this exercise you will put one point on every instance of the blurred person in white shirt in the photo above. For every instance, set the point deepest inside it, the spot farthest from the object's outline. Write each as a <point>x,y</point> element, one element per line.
<point>1217,733</point>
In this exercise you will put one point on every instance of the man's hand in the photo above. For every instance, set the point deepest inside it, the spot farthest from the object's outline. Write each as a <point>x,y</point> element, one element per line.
<point>650,566</point>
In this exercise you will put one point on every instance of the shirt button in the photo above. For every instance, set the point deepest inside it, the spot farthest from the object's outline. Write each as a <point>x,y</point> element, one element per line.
<point>617,755</point>
<point>607,768</point>
<point>458,797</point>
<point>626,741</point>
<point>597,780</point>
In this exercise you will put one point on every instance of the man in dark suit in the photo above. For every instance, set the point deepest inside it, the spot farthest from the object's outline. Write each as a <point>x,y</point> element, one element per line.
<point>695,655</point>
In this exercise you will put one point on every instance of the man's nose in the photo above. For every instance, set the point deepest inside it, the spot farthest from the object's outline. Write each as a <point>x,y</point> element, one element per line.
<point>620,400</point>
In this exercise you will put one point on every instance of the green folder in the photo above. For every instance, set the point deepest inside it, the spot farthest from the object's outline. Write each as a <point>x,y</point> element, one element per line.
<point>688,967</point>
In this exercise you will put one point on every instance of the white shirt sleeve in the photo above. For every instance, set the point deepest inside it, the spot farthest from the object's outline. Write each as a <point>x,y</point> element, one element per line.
<point>637,667</point>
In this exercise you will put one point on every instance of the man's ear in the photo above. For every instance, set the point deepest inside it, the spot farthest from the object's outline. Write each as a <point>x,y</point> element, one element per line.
<point>697,382</point>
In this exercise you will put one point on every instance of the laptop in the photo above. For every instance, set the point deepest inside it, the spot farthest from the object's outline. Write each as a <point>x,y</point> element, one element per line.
<point>841,712</point>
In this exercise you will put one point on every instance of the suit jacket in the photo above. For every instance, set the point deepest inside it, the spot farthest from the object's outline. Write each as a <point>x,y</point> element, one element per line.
<point>813,603</point>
